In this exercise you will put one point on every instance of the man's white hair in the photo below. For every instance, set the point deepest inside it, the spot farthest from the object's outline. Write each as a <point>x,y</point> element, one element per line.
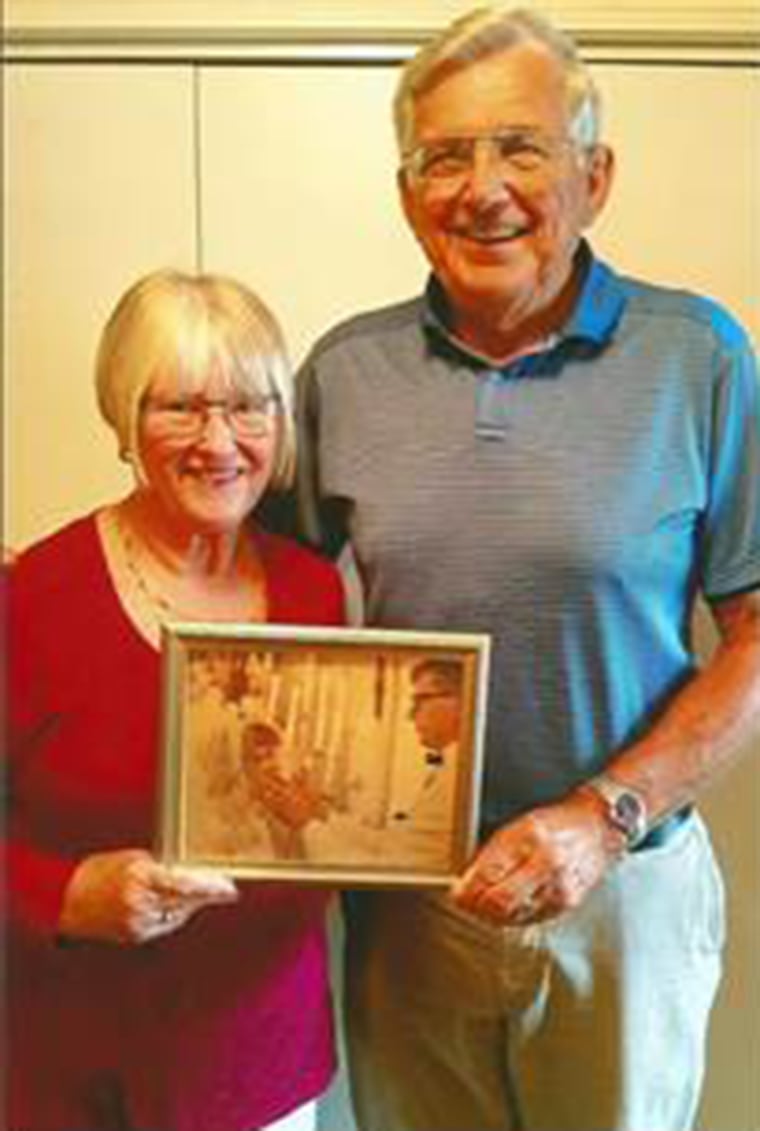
<point>484,32</point>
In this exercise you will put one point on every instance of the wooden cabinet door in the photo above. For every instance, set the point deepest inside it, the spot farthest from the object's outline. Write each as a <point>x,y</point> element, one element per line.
<point>98,191</point>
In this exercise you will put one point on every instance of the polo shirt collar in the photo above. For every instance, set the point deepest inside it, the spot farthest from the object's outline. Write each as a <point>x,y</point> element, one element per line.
<point>591,323</point>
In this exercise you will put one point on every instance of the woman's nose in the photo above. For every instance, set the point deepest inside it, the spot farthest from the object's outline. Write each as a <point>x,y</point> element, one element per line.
<point>216,431</point>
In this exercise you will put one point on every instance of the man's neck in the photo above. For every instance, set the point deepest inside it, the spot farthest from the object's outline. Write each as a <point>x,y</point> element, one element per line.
<point>500,333</point>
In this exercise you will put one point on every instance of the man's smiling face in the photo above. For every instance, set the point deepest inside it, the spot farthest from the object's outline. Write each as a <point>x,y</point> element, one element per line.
<point>501,241</point>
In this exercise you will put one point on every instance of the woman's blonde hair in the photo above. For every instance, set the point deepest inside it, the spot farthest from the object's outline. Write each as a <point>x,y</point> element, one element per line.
<point>484,32</point>
<point>174,321</point>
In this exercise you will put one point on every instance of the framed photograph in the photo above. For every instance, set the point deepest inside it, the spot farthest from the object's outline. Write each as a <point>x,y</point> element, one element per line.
<point>342,756</point>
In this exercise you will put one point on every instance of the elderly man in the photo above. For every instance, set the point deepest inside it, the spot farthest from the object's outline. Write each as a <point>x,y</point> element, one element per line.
<point>545,450</point>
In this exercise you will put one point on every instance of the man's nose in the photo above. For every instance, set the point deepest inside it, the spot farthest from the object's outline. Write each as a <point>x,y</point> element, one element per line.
<point>487,174</point>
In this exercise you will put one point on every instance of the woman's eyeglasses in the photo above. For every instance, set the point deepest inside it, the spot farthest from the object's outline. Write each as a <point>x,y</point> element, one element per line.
<point>253,417</point>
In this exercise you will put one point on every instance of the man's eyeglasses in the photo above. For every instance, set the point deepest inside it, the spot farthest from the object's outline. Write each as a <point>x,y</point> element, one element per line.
<point>519,155</point>
<point>422,697</point>
<point>252,417</point>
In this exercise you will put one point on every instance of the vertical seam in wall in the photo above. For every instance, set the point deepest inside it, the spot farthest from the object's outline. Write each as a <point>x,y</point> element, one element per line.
<point>197,150</point>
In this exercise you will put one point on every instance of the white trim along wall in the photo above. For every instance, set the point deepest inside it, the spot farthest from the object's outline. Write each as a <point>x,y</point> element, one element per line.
<point>204,29</point>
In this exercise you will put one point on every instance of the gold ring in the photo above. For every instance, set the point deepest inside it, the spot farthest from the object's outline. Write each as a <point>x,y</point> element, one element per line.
<point>526,910</point>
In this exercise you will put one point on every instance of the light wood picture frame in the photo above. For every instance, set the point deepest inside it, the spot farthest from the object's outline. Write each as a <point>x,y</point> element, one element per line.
<point>347,757</point>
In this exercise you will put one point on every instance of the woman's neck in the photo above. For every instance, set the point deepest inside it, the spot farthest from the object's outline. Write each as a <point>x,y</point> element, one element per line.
<point>164,573</point>
<point>175,548</point>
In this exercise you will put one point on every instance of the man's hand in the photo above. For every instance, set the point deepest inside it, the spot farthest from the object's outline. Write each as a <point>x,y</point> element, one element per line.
<point>541,864</point>
<point>127,896</point>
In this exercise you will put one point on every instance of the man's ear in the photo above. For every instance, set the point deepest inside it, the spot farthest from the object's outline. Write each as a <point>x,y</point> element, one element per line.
<point>406,195</point>
<point>600,174</point>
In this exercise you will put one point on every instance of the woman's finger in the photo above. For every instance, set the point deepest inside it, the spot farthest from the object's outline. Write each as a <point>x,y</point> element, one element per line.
<point>195,883</point>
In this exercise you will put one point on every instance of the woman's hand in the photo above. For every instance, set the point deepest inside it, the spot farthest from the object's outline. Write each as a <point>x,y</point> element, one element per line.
<point>128,897</point>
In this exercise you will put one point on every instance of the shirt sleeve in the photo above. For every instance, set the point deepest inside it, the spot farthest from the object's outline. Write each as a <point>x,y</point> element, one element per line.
<point>731,523</point>
<point>36,877</point>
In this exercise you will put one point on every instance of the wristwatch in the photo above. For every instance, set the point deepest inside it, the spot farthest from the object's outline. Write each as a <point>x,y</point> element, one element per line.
<point>626,809</point>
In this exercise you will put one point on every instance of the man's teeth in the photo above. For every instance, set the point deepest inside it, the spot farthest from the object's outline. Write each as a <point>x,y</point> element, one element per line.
<point>498,235</point>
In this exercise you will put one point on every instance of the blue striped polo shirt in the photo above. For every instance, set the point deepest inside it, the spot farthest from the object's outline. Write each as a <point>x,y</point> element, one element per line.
<point>572,504</point>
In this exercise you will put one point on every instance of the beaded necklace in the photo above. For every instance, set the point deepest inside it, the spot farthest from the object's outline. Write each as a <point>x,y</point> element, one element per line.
<point>155,606</point>
<point>159,607</point>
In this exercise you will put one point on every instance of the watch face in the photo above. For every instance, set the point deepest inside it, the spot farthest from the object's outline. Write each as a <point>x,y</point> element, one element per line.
<point>629,813</point>
<point>626,810</point>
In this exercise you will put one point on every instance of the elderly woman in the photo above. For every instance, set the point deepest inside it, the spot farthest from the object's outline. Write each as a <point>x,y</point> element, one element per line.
<point>143,997</point>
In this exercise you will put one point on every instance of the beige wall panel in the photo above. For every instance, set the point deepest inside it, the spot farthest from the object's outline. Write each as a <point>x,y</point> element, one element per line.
<point>99,190</point>
<point>684,209</point>
<point>298,191</point>
<point>731,1100</point>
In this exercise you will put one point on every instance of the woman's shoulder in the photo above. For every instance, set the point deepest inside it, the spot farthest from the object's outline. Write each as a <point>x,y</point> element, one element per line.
<point>57,560</point>
<point>304,583</point>
<point>279,549</point>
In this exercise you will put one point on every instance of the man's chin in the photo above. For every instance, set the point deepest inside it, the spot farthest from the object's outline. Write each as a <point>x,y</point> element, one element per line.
<point>493,293</point>
<point>489,278</point>
<point>493,252</point>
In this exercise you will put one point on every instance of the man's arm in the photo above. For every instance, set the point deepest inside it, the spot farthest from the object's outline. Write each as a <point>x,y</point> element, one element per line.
<point>706,724</point>
<point>547,861</point>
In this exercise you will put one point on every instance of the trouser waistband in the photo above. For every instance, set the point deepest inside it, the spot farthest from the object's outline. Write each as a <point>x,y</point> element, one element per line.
<point>661,833</point>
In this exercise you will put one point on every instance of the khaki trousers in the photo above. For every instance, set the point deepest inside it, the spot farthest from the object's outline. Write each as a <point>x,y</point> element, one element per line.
<point>594,1022</point>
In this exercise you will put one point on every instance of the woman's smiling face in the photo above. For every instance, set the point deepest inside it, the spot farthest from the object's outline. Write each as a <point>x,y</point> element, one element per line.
<point>204,470</point>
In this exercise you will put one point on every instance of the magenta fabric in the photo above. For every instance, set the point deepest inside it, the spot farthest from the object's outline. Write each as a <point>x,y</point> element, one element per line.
<point>224,1026</point>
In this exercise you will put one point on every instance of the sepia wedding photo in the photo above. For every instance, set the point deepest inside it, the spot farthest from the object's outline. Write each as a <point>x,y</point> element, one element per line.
<point>343,756</point>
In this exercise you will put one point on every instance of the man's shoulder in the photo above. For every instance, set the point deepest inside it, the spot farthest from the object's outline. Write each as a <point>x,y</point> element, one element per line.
<point>371,326</point>
<point>675,307</point>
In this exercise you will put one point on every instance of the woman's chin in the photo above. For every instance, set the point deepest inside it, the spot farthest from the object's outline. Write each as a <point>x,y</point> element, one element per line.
<point>219,515</point>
